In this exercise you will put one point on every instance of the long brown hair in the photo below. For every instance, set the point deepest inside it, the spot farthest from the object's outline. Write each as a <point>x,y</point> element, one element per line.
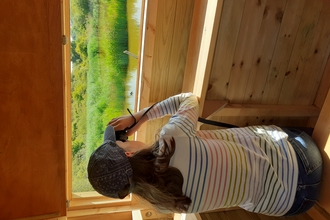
<point>157,182</point>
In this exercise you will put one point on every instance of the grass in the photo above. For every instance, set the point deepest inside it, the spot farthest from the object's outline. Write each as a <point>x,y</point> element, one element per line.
<point>106,78</point>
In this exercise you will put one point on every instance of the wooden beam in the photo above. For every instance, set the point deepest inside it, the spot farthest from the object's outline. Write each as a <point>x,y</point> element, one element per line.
<point>200,58</point>
<point>263,110</point>
<point>55,215</point>
<point>66,62</point>
<point>321,137</point>
<point>317,212</point>
<point>146,59</point>
<point>103,210</point>
<point>212,107</point>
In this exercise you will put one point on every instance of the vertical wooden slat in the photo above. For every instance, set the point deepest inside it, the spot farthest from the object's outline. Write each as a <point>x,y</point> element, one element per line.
<point>148,51</point>
<point>148,54</point>
<point>162,49</point>
<point>206,52</point>
<point>194,45</point>
<point>324,85</point>
<point>316,60</point>
<point>266,41</point>
<point>321,136</point>
<point>303,42</point>
<point>179,47</point>
<point>245,49</point>
<point>66,60</point>
<point>285,41</point>
<point>267,36</point>
<point>230,23</point>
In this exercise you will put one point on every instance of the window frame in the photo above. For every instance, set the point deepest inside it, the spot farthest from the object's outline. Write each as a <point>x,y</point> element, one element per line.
<point>87,203</point>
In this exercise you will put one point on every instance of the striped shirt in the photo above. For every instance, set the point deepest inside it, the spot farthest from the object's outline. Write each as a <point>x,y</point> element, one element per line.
<point>253,167</point>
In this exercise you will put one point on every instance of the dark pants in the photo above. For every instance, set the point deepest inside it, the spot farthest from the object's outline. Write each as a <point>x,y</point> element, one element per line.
<point>310,171</point>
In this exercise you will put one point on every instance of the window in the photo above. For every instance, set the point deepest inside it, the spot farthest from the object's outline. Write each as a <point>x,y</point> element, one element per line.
<point>104,44</point>
<point>100,65</point>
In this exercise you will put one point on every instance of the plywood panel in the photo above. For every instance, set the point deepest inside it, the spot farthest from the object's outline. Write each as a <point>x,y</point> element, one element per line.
<point>32,162</point>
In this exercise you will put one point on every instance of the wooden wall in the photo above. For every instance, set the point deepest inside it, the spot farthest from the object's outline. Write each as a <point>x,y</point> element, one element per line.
<point>268,57</point>
<point>166,39</point>
<point>272,53</point>
<point>253,62</point>
<point>32,165</point>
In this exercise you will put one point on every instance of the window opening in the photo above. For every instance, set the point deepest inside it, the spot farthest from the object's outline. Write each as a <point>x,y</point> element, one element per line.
<point>104,47</point>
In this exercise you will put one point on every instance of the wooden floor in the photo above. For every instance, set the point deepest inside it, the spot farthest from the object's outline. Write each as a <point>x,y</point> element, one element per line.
<point>244,215</point>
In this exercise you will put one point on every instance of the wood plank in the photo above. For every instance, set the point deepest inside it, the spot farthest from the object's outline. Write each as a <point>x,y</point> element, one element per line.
<point>166,12</point>
<point>268,110</point>
<point>105,216</point>
<point>321,137</point>
<point>316,60</point>
<point>147,54</point>
<point>205,56</point>
<point>266,38</point>
<point>179,47</point>
<point>303,42</point>
<point>291,121</point>
<point>324,85</point>
<point>103,210</point>
<point>41,217</point>
<point>230,24</point>
<point>152,214</point>
<point>32,162</point>
<point>245,49</point>
<point>284,45</point>
<point>195,37</point>
<point>66,63</point>
<point>211,107</point>
<point>316,212</point>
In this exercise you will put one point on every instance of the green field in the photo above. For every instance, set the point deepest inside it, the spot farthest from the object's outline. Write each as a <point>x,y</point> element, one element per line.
<point>99,74</point>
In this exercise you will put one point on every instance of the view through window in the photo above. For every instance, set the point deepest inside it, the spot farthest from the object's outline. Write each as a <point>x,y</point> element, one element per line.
<point>104,45</point>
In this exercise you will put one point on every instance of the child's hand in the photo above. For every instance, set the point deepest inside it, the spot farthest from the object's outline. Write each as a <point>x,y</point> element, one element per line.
<point>122,122</point>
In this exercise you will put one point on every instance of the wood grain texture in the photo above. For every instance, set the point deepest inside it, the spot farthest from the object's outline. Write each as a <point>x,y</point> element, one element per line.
<point>321,136</point>
<point>32,119</point>
<point>272,55</point>
<point>228,33</point>
<point>316,60</point>
<point>283,50</point>
<point>263,54</point>
<point>302,46</point>
<point>245,49</point>
<point>196,33</point>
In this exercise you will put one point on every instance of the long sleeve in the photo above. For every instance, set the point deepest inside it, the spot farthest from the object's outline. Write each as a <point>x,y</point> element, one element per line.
<point>184,105</point>
<point>184,110</point>
<point>253,167</point>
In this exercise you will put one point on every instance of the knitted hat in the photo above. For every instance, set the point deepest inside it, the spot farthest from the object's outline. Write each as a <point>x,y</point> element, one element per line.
<point>108,169</point>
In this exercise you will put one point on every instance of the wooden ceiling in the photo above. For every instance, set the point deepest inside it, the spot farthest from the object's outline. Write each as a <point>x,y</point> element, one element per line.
<point>252,62</point>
